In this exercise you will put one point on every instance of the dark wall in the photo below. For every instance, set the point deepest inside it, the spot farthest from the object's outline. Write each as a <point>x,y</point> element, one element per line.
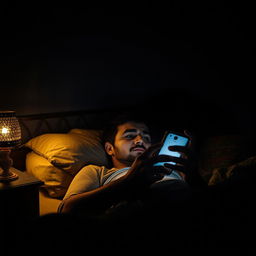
<point>67,57</point>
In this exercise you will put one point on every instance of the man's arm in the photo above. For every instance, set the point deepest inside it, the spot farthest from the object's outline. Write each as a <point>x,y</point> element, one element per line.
<point>139,177</point>
<point>81,196</point>
<point>97,200</point>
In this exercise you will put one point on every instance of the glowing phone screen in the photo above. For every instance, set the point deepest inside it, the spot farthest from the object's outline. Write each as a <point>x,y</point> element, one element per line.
<point>172,140</point>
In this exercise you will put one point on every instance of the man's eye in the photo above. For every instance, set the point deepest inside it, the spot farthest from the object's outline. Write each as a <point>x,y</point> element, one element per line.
<point>129,136</point>
<point>147,139</point>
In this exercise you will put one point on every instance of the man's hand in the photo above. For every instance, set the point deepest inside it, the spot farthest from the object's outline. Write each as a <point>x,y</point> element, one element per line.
<point>143,172</point>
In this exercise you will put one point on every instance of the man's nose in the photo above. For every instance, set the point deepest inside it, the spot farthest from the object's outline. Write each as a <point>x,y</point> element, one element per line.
<point>138,140</point>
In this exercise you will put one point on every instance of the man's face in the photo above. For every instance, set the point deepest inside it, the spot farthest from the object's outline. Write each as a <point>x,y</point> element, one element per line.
<point>131,140</point>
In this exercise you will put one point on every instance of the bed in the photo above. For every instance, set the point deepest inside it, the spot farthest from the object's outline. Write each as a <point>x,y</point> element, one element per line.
<point>55,146</point>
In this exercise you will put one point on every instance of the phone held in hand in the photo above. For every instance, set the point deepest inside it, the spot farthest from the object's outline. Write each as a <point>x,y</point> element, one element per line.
<point>172,139</point>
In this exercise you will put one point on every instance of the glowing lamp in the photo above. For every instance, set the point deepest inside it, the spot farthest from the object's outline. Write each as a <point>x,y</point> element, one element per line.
<point>10,136</point>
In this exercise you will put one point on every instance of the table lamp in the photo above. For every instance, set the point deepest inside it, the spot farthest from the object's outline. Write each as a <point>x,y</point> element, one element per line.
<point>10,136</point>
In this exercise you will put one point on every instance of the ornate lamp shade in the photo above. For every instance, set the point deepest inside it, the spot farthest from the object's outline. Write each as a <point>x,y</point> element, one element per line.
<point>10,133</point>
<point>10,136</point>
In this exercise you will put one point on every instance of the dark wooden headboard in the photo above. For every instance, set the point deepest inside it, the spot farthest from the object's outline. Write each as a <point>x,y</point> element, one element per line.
<point>62,122</point>
<point>58,122</point>
<point>34,125</point>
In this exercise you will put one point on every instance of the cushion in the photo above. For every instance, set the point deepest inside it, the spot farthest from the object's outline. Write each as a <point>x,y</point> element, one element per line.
<point>70,151</point>
<point>223,151</point>
<point>245,167</point>
<point>56,181</point>
<point>56,157</point>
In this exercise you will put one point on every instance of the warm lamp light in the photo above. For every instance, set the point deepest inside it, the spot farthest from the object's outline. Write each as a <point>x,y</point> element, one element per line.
<point>10,136</point>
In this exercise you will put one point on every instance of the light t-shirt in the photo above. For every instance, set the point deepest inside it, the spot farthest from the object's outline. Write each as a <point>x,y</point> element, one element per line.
<point>92,176</point>
<point>88,178</point>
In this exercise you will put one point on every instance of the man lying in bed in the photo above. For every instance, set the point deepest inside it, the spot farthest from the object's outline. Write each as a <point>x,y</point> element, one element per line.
<point>133,175</point>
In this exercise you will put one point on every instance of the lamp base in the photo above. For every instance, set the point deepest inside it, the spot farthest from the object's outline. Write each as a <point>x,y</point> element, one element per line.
<point>8,176</point>
<point>5,165</point>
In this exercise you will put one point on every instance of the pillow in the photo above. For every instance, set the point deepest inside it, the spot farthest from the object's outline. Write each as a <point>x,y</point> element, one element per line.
<point>241,168</point>
<point>223,151</point>
<point>56,181</point>
<point>70,151</point>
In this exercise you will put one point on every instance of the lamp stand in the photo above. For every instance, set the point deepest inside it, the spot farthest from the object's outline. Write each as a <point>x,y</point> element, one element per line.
<point>5,165</point>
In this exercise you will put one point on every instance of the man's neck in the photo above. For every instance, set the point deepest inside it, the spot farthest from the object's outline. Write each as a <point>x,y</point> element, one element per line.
<point>120,165</point>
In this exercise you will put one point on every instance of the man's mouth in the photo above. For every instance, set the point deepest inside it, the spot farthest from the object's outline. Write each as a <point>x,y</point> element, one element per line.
<point>138,149</point>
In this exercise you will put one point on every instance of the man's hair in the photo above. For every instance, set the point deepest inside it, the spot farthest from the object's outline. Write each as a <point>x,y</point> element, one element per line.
<point>110,130</point>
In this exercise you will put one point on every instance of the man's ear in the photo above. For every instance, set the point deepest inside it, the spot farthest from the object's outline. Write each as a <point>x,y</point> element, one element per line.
<point>109,148</point>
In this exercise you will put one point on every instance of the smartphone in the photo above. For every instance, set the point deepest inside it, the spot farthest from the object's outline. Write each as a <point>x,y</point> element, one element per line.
<point>172,139</point>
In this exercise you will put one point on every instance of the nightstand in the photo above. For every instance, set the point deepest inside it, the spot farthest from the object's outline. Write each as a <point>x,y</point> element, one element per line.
<point>19,206</point>
<point>19,199</point>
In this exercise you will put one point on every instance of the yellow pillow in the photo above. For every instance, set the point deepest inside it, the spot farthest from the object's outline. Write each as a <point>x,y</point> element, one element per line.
<point>70,151</point>
<point>56,181</point>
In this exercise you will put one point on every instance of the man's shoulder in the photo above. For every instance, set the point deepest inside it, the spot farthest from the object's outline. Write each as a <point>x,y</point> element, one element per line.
<point>93,166</point>
<point>97,168</point>
<point>96,172</point>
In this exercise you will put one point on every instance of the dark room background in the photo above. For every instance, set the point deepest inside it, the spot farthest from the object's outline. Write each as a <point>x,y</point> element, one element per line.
<point>62,57</point>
